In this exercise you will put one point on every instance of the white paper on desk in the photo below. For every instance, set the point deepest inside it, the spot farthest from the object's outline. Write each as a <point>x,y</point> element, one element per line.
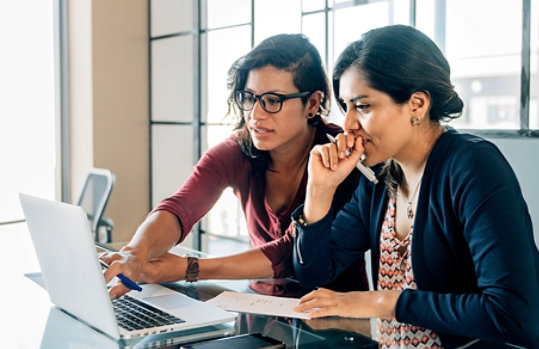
<point>257,304</point>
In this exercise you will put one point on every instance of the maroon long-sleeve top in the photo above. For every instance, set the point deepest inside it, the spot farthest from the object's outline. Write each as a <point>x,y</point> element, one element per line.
<point>226,166</point>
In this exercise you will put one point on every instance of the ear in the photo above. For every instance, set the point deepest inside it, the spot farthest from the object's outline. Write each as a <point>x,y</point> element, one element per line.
<point>420,104</point>
<point>313,103</point>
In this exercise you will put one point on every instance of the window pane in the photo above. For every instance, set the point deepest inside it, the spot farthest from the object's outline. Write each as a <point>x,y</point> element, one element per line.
<point>312,5</point>
<point>313,26</point>
<point>220,49</point>
<point>27,104</point>
<point>270,12</point>
<point>172,159</point>
<point>171,16</point>
<point>485,59</point>
<point>226,217</point>
<point>534,66</point>
<point>363,17</point>
<point>401,12</point>
<point>424,20</point>
<point>224,13</point>
<point>172,79</point>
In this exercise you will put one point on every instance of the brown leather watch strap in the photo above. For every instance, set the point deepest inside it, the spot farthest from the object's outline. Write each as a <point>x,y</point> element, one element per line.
<point>191,273</point>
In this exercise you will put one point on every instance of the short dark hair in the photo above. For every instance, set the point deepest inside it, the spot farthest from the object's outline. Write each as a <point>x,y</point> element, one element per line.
<point>399,61</point>
<point>293,53</point>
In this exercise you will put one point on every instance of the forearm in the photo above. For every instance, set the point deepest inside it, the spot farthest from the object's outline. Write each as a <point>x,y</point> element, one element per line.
<point>318,201</point>
<point>385,302</point>
<point>313,260</point>
<point>155,236</point>
<point>252,264</point>
<point>328,246</point>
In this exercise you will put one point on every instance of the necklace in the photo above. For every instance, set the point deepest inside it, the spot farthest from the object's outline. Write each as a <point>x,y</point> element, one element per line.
<point>409,209</point>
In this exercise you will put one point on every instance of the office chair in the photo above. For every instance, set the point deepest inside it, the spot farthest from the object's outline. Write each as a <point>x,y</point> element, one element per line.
<point>93,199</point>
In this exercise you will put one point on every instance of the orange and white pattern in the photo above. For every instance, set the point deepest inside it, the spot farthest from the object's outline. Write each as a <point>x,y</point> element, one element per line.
<point>395,273</point>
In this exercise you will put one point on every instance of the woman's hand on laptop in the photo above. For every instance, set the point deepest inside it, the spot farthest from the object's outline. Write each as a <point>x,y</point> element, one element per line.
<point>167,268</point>
<point>123,262</point>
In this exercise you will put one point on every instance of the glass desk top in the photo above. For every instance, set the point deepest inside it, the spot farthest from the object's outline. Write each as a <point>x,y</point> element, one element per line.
<point>31,321</point>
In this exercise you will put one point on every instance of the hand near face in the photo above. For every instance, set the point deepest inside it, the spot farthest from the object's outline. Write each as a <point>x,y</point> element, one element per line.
<point>329,164</point>
<point>357,304</point>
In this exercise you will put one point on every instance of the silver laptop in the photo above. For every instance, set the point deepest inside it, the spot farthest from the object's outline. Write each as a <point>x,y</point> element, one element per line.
<point>75,282</point>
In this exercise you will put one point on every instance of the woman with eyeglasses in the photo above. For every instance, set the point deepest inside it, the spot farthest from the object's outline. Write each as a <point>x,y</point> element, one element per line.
<point>452,250</point>
<point>279,93</point>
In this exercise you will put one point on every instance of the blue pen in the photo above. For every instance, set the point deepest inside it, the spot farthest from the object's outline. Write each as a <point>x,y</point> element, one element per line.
<point>127,282</point>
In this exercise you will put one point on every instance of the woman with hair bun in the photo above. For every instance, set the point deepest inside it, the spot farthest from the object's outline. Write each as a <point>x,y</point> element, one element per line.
<point>454,262</point>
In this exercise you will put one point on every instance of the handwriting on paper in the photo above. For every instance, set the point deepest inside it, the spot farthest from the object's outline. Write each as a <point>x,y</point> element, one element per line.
<point>258,304</point>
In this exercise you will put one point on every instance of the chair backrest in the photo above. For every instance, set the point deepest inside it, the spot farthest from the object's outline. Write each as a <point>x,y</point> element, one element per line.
<point>95,194</point>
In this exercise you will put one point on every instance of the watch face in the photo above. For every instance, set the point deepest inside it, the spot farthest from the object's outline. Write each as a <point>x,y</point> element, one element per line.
<point>191,274</point>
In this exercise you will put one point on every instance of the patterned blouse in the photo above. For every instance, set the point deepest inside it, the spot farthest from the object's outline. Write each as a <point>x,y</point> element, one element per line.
<point>395,273</point>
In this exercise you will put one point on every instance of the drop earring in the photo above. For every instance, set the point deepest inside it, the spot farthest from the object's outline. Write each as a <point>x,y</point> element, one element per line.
<point>415,121</point>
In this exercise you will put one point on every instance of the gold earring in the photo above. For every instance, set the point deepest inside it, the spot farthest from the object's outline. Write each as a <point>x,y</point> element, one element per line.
<point>415,120</point>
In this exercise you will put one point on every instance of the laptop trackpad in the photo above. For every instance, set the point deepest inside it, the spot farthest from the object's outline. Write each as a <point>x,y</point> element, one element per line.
<point>171,302</point>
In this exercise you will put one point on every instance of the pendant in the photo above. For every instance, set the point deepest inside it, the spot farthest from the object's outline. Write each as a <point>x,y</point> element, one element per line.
<point>410,211</point>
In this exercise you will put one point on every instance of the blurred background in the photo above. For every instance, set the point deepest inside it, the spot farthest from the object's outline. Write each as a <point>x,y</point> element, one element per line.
<point>139,87</point>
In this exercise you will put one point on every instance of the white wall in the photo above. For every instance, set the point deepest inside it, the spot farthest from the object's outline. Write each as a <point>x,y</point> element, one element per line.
<point>523,155</point>
<point>108,100</point>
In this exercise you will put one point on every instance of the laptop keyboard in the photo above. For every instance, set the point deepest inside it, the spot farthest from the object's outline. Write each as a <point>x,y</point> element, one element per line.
<point>133,314</point>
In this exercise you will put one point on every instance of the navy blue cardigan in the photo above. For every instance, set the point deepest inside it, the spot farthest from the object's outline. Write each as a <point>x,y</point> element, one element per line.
<point>475,261</point>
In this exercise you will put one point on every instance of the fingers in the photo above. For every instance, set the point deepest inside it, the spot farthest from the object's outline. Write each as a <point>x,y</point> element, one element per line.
<point>115,267</point>
<point>350,140</point>
<point>345,146</point>
<point>322,312</point>
<point>109,257</point>
<point>321,298</point>
<point>342,145</point>
<point>118,290</point>
<point>328,154</point>
<point>357,145</point>
<point>321,292</point>
<point>119,263</point>
<point>321,303</point>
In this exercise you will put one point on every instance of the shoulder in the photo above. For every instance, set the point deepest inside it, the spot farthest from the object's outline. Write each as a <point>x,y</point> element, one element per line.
<point>226,153</point>
<point>469,165</point>
<point>228,147</point>
<point>463,152</point>
<point>324,128</point>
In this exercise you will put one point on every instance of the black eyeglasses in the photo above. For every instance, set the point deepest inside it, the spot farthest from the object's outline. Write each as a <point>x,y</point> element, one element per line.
<point>270,101</point>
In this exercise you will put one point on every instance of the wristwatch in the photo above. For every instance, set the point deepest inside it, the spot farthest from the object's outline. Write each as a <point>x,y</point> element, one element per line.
<point>191,273</point>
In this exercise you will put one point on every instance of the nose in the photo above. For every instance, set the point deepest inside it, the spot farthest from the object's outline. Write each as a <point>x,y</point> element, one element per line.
<point>351,121</point>
<point>257,112</point>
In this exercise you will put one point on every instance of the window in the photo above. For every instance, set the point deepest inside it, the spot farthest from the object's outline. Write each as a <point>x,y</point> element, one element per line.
<point>487,55</point>
<point>485,59</point>
<point>27,104</point>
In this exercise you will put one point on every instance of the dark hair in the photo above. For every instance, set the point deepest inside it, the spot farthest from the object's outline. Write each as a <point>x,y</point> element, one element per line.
<point>400,60</point>
<point>293,53</point>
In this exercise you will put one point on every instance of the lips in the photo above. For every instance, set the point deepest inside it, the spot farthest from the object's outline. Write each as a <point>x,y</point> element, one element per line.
<point>261,130</point>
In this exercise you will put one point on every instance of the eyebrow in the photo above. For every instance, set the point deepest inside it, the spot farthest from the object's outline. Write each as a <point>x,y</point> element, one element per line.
<point>353,99</point>
<point>270,91</point>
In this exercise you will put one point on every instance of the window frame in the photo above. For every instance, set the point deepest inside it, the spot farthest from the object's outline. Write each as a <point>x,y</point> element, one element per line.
<point>198,121</point>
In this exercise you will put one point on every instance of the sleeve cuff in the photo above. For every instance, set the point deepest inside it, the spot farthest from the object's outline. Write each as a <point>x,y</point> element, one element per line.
<point>300,224</point>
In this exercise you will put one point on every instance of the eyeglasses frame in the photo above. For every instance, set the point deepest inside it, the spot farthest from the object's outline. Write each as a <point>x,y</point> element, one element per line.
<point>281,97</point>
